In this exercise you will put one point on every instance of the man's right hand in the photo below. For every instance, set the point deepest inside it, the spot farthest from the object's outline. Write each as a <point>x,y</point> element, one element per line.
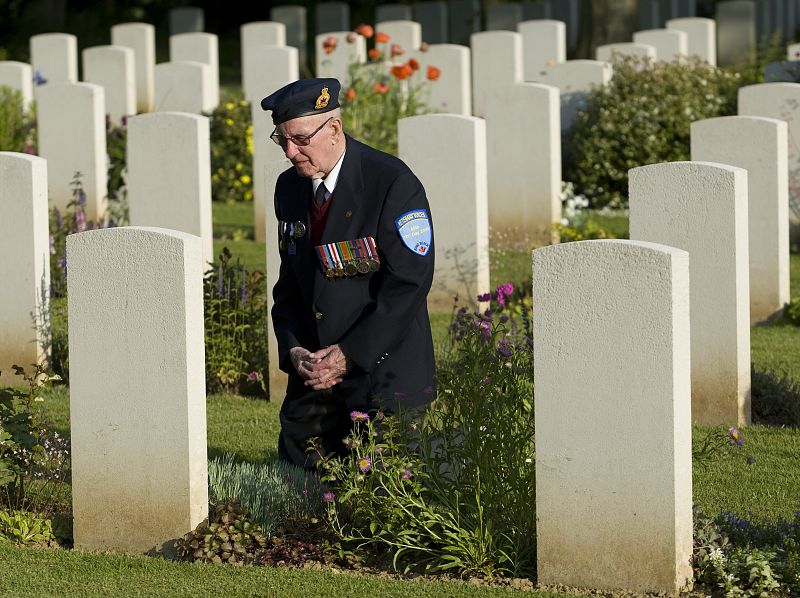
<point>302,360</point>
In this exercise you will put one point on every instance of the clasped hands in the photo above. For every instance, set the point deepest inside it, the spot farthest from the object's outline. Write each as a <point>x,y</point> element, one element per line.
<point>321,369</point>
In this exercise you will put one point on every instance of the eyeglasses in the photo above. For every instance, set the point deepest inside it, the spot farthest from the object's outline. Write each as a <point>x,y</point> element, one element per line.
<point>296,139</point>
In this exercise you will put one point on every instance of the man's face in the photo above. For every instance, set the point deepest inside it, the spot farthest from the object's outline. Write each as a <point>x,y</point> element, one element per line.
<point>318,158</point>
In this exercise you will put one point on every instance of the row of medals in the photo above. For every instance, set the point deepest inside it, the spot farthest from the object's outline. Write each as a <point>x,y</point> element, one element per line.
<point>350,268</point>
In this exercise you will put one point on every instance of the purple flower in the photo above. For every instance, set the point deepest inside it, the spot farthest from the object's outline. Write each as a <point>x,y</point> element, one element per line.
<point>329,497</point>
<point>399,396</point>
<point>406,475</point>
<point>82,198</point>
<point>462,311</point>
<point>485,297</point>
<point>504,349</point>
<point>380,416</point>
<point>254,376</point>
<point>485,330</point>
<point>29,149</point>
<point>359,416</point>
<point>38,78</point>
<point>52,245</point>
<point>364,464</point>
<point>124,120</point>
<point>59,220</point>
<point>80,221</point>
<point>736,437</point>
<point>503,319</point>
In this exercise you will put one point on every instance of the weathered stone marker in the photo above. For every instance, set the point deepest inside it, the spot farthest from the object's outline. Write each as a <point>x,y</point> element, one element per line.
<point>112,67</point>
<point>670,44</point>
<point>198,47</point>
<point>184,87</point>
<point>543,42</point>
<point>496,61</point>
<point>337,63</point>
<point>294,19</point>
<point>25,271</point>
<point>257,39</point>
<point>759,146</point>
<point>448,154</point>
<point>169,174</point>
<point>54,56</point>
<point>613,438</point>
<point>406,34</point>
<point>702,40</point>
<point>72,138</point>
<point>139,464</point>
<point>701,207</point>
<point>452,91</point>
<point>524,161</point>
<point>141,38</point>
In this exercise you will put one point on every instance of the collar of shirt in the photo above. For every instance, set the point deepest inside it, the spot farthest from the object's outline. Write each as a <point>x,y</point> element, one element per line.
<point>330,180</point>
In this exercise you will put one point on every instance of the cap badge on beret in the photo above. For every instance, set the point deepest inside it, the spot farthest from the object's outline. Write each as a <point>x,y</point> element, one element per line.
<point>323,99</point>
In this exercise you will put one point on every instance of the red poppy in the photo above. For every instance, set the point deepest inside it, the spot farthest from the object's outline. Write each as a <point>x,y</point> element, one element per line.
<point>433,73</point>
<point>351,94</point>
<point>365,30</point>
<point>381,38</point>
<point>397,50</point>
<point>402,71</point>
<point>380,88</point>
<point>413,64</point>
<point>374,54</point>
<point>329,45</point>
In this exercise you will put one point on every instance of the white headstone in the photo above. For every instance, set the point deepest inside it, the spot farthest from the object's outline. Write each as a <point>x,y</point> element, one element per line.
<point>169,174</point>
<point>336,63</point>
<point>464,20</point>
<point>793,52</point>
<point>392,12</point>
<point>575,79</point>
<point>701,207</point>
<point>198,47</point>
<point>332,16</point>
<point>614,438</point>
<point>24,239</point>
<point>294,18</point>
<point>496,61</point>
<point>406,34</point>
<point>448,154</point>
<point>670,44</point>
<point>781,101</point>
<point>188,19</point>
<point>139,437</point>
<point>736,31</point>
<point>543,42</point>
<point>702,37</point>
<point>524,161</point>
<point>503,17</point>
<point>72,138</point>
<point>273,67</point>
<point>19,76</point>
<point>54,56</point>
<point>759,145</point>
<point>255,37</point>
<point>432,17</point>
<point>452,91</point>
<point>141,38</point>
<point>605,53</point>
<point>184,87</point>
<point>112,68</point>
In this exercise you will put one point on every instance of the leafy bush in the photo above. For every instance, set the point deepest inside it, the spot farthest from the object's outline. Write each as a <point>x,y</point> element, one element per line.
<point>235,327</point>
<point>232,151</point>
<point>17,124</point>
<point>116,147</point>
<point>33,461</point>
<point>26,529</point>
<point>454,492</point>
<point>227,536</point>
<point>278,497</point>
<point>793,312</point>
<point>775,399</point>
<point>382,91</point>
<point>642,117</point>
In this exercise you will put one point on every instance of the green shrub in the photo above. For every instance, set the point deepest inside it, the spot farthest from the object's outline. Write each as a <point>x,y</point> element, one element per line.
<point>463,501</point>
<point>642,117</point>
<point>227,536</point>
<point>17,124</point>
<point>278,497</point>
<point>232,151</point>
<point>793,312</point>
<point>235,327</point>
<point>775,399</point>
<point>116,146</point>
<point>26,529</point>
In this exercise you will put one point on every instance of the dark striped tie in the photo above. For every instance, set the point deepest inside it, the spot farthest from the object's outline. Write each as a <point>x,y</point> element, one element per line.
<point>319,196</point>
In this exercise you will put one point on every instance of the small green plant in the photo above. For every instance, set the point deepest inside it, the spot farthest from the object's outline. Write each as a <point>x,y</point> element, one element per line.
<point>232,151</point>
<point>17,123</point>
<point>33,461</point>
<point>775,399</point>
<point>792,314</point>
<point>26,529</point>
<point>642,116</point>
<point>227,536</point>
<point>116,147</point>
<point>235,327</point>
<point>279,497</point>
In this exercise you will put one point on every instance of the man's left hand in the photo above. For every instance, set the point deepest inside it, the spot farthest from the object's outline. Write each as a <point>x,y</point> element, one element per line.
<point>331,364</point>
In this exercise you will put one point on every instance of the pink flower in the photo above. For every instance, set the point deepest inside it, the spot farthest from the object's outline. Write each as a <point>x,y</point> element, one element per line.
<point>359,416</point>
<point>329,497</point>
<point>364,464</point>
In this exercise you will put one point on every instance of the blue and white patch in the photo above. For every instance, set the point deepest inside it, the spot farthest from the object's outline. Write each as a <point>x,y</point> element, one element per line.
<point>415,230</point>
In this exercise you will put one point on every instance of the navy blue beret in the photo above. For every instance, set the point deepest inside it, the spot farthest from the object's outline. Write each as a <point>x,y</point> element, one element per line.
<point>302,98</point>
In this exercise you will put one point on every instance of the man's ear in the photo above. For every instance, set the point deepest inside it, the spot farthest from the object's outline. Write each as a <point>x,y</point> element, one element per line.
<point>338,131</point>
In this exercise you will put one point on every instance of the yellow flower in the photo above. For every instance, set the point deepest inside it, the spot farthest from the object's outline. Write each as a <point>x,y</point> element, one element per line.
<point>249,131</point>
<point>245,179</point>
<point>229,122</point>
<point>248,195</point>
<point>230,106</point>
<point>215,178</point>
<point>238,166</point>
<point>243,103</point>
<point>237,184</point>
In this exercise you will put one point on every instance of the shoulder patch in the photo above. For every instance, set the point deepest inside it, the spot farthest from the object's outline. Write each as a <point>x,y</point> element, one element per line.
<point>415,230</point>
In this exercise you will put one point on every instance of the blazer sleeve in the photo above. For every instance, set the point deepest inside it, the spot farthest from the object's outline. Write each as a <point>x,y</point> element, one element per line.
<point>406,280</point>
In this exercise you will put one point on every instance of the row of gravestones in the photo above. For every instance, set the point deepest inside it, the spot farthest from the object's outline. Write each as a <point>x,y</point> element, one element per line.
<point>169,186</point>
<point>654,333</point>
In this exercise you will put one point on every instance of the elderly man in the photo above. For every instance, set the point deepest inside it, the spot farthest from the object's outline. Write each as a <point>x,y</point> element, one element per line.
<point>356,247</point>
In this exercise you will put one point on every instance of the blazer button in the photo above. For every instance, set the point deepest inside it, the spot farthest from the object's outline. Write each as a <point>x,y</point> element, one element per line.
<point>348,213</point>
<point>318,315</point>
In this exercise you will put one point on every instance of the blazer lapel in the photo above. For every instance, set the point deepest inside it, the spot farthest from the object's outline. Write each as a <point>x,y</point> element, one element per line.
<point>304,260</point>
